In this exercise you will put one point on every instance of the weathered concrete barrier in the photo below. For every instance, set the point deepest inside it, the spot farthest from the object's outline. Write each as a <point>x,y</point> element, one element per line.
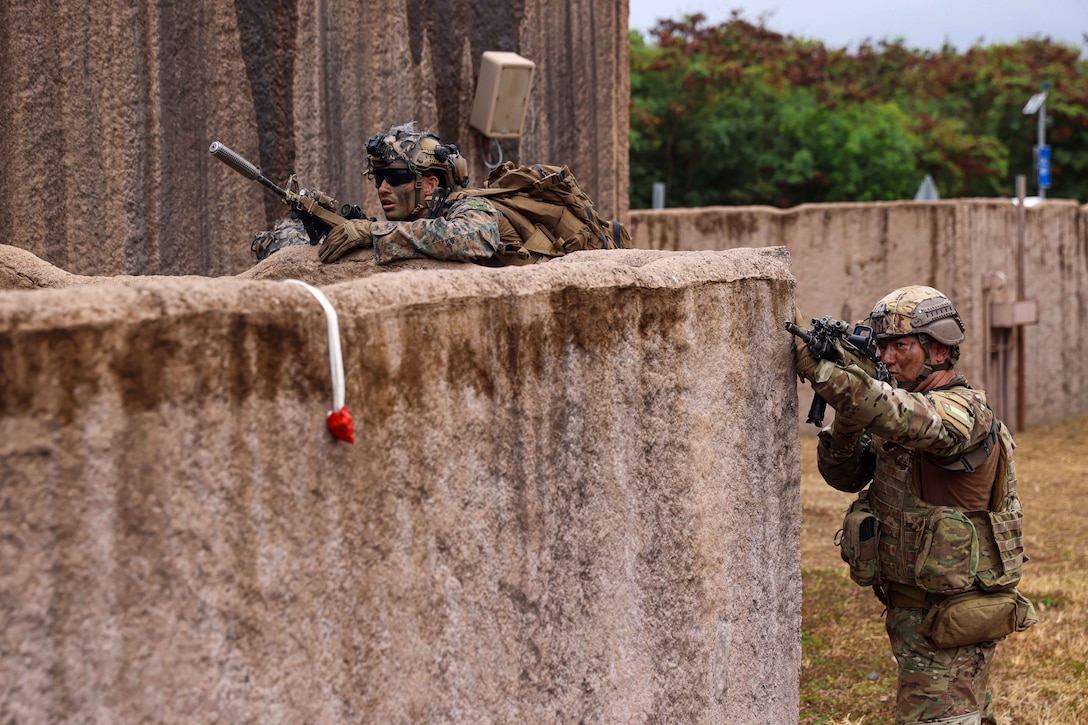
<point>847,256</point>
<point>108,116</point>
<point>573,497</point>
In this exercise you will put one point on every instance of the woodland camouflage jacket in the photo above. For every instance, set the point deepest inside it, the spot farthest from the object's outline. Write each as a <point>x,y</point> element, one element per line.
<point>468,231</point>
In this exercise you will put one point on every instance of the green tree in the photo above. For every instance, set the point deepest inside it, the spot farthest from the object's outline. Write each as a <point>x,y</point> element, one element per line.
<point>739,114</point>
<point>860,152</point>
<point>699,127</point>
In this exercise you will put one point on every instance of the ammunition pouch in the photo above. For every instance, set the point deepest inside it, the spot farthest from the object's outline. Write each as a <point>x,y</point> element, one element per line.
<point>1001,548</point>
<point>857,542</point>
<point>975,616</point>
<point>974,550</point>
<point>948,556</point>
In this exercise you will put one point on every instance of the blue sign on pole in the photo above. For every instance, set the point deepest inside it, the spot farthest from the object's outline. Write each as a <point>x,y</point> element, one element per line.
<point>1044,167</point>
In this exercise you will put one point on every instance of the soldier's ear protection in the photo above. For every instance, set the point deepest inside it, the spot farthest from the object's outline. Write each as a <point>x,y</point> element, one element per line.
<point>460,171</point>
<point>458,165</point>
<point>448,155</point>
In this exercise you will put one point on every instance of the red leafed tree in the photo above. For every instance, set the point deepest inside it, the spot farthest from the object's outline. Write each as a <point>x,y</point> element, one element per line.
<point>739,114</point>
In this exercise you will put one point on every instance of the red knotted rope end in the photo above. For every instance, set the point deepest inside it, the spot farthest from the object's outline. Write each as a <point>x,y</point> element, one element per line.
<point>340,425</point>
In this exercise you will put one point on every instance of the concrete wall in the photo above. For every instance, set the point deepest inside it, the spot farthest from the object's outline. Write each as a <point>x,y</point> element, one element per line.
<point>109,112</point>
<point>847,256</point>
<point>559,507</point>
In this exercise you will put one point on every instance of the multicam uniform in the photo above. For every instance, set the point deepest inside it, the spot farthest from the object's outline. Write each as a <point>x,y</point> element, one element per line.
<point>468,231</point>
<point>943,491</point>
<point>909,436</point>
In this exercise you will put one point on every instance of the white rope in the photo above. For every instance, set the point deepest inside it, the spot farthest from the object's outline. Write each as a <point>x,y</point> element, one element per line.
<point>336,359</point>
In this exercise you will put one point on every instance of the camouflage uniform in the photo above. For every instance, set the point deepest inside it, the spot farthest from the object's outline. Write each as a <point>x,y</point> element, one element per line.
<point>418,172</point>
<point>933,683</point>
<point>468,231</point>
<point>287,232</point>
<point>919,449</point>
<point>938,685</point>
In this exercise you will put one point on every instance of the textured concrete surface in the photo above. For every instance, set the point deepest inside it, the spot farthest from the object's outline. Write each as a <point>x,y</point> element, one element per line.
<point>847,256</point>
<point>109,113</point>
<point>21,270</point>
<point>574,497</point>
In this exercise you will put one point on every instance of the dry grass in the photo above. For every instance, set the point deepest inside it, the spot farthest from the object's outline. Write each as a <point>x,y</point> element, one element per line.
<point>1039,676</point>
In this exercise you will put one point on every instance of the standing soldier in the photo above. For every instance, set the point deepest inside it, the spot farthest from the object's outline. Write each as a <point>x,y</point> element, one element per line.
<point>938,534</point>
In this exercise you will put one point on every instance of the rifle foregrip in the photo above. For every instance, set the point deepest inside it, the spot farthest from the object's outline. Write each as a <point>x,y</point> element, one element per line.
<point>816,411</point>
<point>233,160</point>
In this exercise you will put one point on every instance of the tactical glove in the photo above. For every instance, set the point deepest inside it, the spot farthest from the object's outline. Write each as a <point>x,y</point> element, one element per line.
<point>802,356</point>
<point>344,238</point>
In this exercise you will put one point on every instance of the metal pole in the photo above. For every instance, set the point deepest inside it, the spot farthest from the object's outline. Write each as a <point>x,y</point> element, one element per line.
<point>1021,191</point>
<point>1021,401</point>
<point>1037,104</point>
<point>658,195</point>
<point>1042,143</point>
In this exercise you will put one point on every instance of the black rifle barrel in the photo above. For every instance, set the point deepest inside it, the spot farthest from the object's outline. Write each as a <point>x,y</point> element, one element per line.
<point>795,330</point>
<point>243,167</point>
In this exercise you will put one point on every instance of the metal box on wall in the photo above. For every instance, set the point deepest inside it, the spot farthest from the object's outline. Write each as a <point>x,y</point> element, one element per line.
<point>502,94</point>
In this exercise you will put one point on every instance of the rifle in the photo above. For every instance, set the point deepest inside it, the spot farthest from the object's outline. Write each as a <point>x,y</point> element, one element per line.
<point>317,211</point>
<point>831,339</point>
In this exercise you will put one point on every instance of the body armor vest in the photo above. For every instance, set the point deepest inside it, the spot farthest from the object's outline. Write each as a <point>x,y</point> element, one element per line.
<point>946,549</point>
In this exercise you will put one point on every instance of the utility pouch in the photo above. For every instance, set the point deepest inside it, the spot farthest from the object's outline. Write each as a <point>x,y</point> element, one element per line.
<point>976,616</point>
<point>1001,543</point>
<point>948,556</point>
<point>857,542</point>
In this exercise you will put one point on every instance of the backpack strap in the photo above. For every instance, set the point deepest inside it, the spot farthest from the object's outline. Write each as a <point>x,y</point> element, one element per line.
<point>617,235</point>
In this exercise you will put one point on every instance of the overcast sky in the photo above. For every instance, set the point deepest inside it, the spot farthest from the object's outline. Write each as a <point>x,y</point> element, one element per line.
<point>921,23</point>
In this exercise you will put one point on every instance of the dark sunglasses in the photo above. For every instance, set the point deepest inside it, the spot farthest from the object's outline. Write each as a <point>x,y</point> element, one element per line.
<point>394,177</point>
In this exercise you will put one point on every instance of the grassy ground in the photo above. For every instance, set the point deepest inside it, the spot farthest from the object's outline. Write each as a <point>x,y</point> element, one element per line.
<point>1039,676</point>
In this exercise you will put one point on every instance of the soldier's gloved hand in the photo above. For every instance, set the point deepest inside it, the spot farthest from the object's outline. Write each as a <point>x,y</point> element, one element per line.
<point>802,356</point>
<point>344,238</point>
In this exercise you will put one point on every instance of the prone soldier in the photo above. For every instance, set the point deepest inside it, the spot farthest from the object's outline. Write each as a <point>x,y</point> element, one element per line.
<point>414,173</point>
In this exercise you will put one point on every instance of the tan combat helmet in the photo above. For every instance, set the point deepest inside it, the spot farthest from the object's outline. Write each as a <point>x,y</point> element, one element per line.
<point>922,311</point>
<point>402,147</point>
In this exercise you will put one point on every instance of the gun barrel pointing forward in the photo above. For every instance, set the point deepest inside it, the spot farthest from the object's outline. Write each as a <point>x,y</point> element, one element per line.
<point>243,167</point>
<point>797,331</point>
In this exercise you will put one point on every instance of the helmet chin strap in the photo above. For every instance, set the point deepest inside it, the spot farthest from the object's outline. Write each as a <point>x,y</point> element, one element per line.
<point>928,368</point>
<point>924,373</point>
<point>419,205</point>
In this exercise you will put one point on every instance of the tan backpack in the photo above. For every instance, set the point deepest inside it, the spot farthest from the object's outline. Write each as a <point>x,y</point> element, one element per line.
<point>546,214</point>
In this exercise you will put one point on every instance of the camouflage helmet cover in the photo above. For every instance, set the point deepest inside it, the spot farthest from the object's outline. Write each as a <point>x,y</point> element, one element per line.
<point>917,310</point>
<point>420,152</point>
